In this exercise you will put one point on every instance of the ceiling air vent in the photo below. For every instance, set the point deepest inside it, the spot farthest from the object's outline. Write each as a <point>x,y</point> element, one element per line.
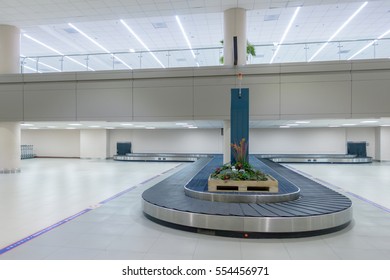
<point>158,25</point>
<point>70,30</point>
<point>271,17</point>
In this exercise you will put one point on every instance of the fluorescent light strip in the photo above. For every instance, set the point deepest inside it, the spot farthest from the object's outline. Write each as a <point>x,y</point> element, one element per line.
<point>44,64</point>
<point>141,42</point>
<point>42,44</point>
<point>338,31</point>
<point>79,63</point>
<point>185,36</point>
<point>285,33</point>
<point>370,44</point>
<point>54,50</point>
<point>97,44</point>
<point>32,69</point>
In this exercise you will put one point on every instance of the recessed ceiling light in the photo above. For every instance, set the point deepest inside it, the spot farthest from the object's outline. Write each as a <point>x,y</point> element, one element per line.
<point>100,46</point>
<point>140,126</point>
<point>338,31</point>
<point>150,127</point>
<point>70,128</point>
<point>385,125</point>
<point>333,126</point>
<point>369,121</point>
<point>33,128</point>
<point>75,124</point>
<point>370,44</point>
<point>94,126</point>
<point>192,126</point>
<point>56,51</point>
<point>51,126</point>
<point>185,36</point>
<point>132,50</point>
<point>285,33</point>
<point>26,124</point>
<point>127,124</point>
<point>302,122</point>
<point>141,42</point>
<point>348,124</point>
<point>110,127</point>
<point>181,123</point>
<point>292,124</point>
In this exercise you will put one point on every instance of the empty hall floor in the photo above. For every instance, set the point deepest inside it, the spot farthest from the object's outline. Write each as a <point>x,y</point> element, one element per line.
<point>114,227</point>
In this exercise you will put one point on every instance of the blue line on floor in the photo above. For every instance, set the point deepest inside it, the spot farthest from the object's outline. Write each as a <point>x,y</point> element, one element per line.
<point>150,179</point>
<point>43,231</point>
<point>370,202</point>
<point>117,195</point>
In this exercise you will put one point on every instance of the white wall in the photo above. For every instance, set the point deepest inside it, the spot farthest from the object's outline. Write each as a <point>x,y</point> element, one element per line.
<point>93,143</point>
<point>90,143</point>
<point>298,141</point>
<point>53,143</point>
<point>169,140</point>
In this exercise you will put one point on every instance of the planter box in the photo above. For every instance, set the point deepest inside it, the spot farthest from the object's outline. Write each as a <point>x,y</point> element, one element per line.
<point>216,185</point>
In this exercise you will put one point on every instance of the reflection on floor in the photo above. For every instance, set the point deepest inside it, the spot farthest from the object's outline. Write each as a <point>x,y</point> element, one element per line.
<point>48,191</point>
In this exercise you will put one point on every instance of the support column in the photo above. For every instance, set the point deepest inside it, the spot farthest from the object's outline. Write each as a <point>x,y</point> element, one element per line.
<point>9,131</point>
<point>9,147</point>
<point>226,141</point>
<point>9,49</point>
<point>382,147</point>
<point>234,26</point>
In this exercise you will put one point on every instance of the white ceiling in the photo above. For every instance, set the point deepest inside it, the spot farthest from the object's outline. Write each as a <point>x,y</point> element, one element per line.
<point>154,22</point>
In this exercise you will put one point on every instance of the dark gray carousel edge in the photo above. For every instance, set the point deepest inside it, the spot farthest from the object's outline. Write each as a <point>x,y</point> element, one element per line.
<point>253,227</point>
<point>261,226</point>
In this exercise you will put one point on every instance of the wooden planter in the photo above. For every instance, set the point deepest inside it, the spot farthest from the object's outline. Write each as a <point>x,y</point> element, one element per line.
<point>216,185</point>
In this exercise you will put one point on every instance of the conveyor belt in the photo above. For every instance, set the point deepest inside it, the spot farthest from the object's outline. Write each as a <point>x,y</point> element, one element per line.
<point>316,158</point>
<point>318,209</point>
<point>159,157</point>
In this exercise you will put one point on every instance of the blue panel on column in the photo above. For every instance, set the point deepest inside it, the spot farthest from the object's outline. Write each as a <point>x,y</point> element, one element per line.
<point>239,116</point>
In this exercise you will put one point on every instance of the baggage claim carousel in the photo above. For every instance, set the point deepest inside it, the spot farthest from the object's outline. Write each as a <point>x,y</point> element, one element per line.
<point>301,207</point>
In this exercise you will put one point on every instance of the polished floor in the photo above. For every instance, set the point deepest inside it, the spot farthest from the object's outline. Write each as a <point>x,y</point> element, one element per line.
<point>50,190</point>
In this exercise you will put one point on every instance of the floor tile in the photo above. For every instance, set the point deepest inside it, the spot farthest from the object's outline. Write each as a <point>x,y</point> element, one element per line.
<point>119,230</point>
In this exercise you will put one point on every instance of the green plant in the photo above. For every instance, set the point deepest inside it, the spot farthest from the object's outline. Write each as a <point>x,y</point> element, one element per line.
<point>246,173</point>
<point>250,51</point>
<point>240,152</point>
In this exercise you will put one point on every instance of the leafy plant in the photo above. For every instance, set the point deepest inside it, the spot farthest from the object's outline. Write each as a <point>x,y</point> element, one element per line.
<point>246,173</point>
<point>240,152</point>
<point>250,51</point>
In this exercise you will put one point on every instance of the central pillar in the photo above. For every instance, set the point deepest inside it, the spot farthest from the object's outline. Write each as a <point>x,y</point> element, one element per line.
<point>9,49</point>
<point>234,26</point>
<point>239,118</point>
<point>9,131</point>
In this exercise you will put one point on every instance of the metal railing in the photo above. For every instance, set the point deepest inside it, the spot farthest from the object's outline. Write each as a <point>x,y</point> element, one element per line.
<point>293,52</point>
